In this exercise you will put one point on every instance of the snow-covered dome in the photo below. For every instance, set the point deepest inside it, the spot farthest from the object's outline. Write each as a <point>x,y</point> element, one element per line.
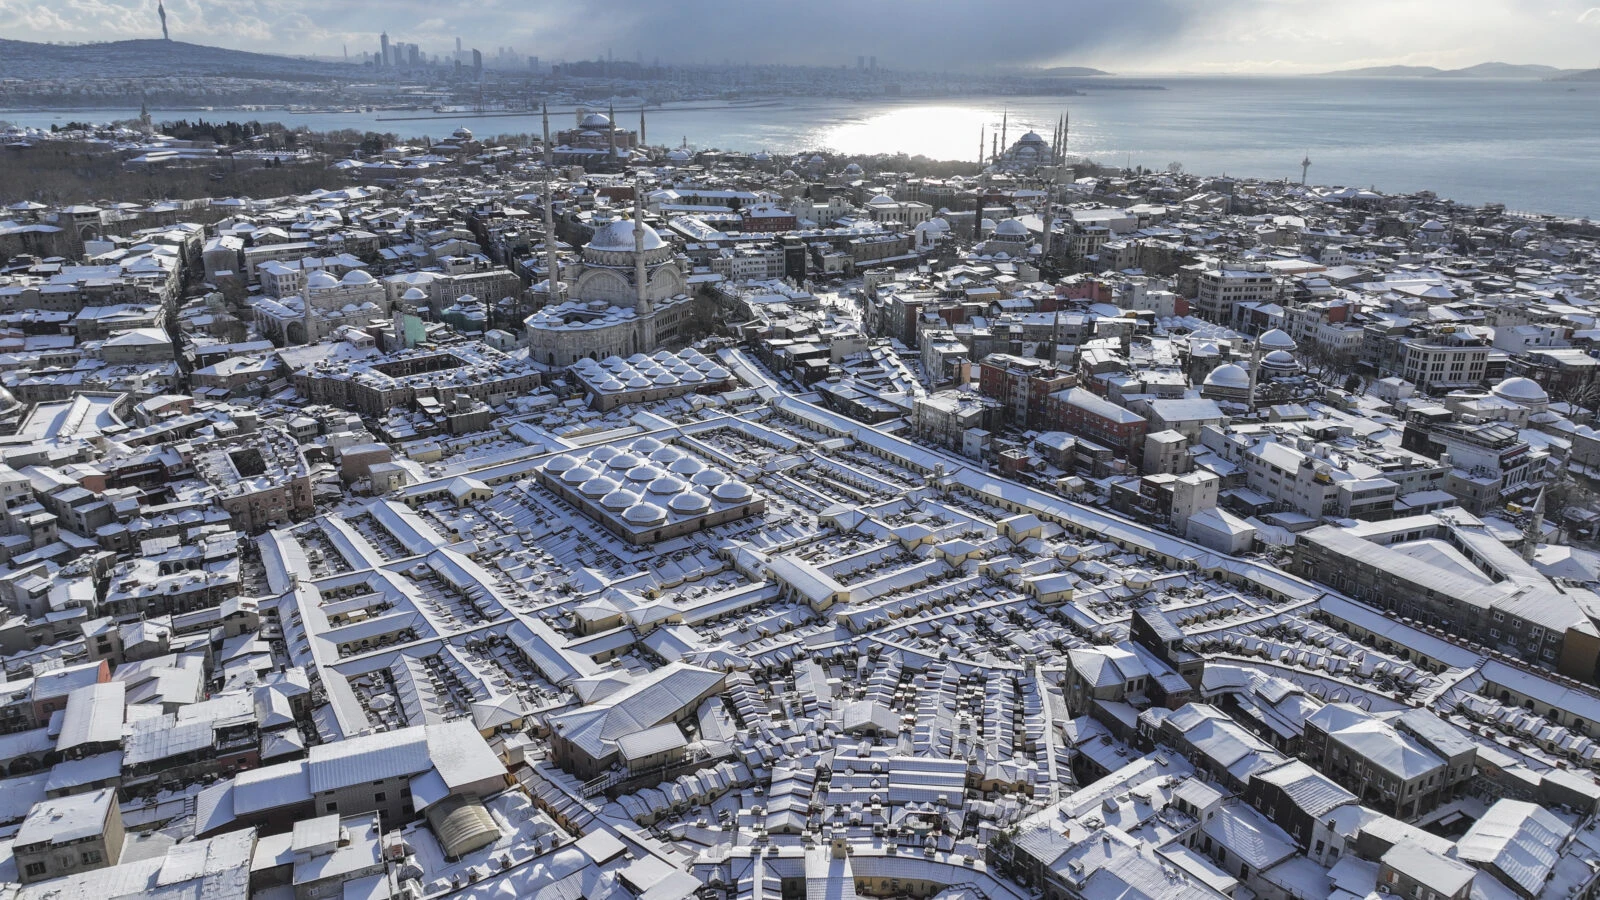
<point>709,478</point>
<point>618,237</point>
<point>667,484</point>
<point>412,295</point>
<point>1228,376</point>
<point>321,280</point>
<point>623,461</point>
<point>1031,137</point>
<point>1205,348</point>
<point>687,465</point>
<point>732,492</point>
<point>595,120</point>
<point>665,456</point>
<point>1276,339</point>
<point>645,514</point>
<point>578,475</point>
<point>597,487</point>
<point>1279,359</point>
<point>1523,391</point>
<point>690,503</point>
<point>645,473</point>
<point>358,276</point>
<point>852,169</point>
<point>1011,228</point>
<point>560,464</point>
<point>619,500</point>
<point>647,445</point>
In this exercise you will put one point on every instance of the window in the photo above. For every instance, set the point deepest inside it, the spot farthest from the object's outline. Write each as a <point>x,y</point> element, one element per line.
<point>380,797</point>
<point>92,857</point>
<point>33,868</point>
<point>331,806</point>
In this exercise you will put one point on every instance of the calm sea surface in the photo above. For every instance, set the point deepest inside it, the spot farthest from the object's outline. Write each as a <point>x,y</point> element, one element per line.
<point>1529,144</point>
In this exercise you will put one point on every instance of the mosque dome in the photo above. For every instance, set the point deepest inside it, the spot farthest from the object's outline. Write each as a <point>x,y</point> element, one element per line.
<point>677,156</point>
<point>881,198</point>
<point>1522,391</point>
<point>1011,228</point>
<point>595,120</point>
<point>1276,340</point>
<point>412,295</point>
<point>357,276</point>
<point>319,280</point>
<point>1228,376</point>
<point>1031,137</point>
<point>618,237</point>
<point>1279,359</point>
<point>852,169</point>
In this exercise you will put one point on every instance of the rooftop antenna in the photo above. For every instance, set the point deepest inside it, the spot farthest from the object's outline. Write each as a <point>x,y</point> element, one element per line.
<point>1305,164</point>
<point>161,10</point>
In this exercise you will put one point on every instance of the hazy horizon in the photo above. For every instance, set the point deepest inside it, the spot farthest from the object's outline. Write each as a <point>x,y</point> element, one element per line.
<point>1138,37</point>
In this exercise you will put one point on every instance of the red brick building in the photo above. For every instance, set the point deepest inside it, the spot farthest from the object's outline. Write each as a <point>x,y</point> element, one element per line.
<point>1084,414</point>
<point>1023,385</point>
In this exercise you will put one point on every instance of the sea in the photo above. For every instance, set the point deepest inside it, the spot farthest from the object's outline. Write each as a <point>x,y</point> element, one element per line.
<point>1531,145</point>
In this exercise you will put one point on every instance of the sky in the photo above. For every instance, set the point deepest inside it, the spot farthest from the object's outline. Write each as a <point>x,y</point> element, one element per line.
<point>1124,36</point>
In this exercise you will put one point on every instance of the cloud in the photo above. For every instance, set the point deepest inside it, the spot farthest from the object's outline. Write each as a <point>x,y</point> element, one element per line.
<point>926,35</point>
<point>946,34</point>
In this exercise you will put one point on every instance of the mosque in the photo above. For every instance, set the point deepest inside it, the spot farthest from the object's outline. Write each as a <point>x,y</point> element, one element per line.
<point>324,305</point>
<point>1031,152</point>
<point>596,143</point>
<point>630,296</point>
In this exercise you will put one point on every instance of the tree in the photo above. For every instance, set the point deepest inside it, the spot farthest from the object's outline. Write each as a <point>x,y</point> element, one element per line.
<point>1175,168</point>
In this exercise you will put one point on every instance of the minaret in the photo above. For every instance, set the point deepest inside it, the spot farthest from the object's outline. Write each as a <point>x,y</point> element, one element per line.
<point>552,263</point>
<point>547,155</point>
<point>641,127</point>
<point>1004,116</point>
<point>641,277</point>
<point>611,134</point>
<point>1305,165</point>
<point>980,147</point>
<point>1534,530</point>
<point>161,10</point>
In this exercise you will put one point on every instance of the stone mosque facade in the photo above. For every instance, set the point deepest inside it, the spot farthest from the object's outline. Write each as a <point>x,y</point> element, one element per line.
<point>629,297</point>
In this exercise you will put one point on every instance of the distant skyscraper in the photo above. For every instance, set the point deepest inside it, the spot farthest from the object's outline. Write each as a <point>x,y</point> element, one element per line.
<point>161,10</point>
<point>861,63</point>
<point>872,63</point>
<point>383,40</point>
<point>477,62</point>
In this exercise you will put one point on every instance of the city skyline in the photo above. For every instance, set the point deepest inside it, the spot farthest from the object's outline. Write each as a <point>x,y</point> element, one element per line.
<point>1145,37</point>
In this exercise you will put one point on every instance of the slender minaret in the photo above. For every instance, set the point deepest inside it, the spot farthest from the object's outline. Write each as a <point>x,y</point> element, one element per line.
<point>611,134</point>
<point>552,262</point>
<point>161,10</point>
<point>1049,227</point>
<point>1004,115</point>
<point>980,146</point>
<point>1534,530</point>
<point>547,156</point>
<point>641,126</point>
<point>641,277</point>
<point>1305,165</point>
